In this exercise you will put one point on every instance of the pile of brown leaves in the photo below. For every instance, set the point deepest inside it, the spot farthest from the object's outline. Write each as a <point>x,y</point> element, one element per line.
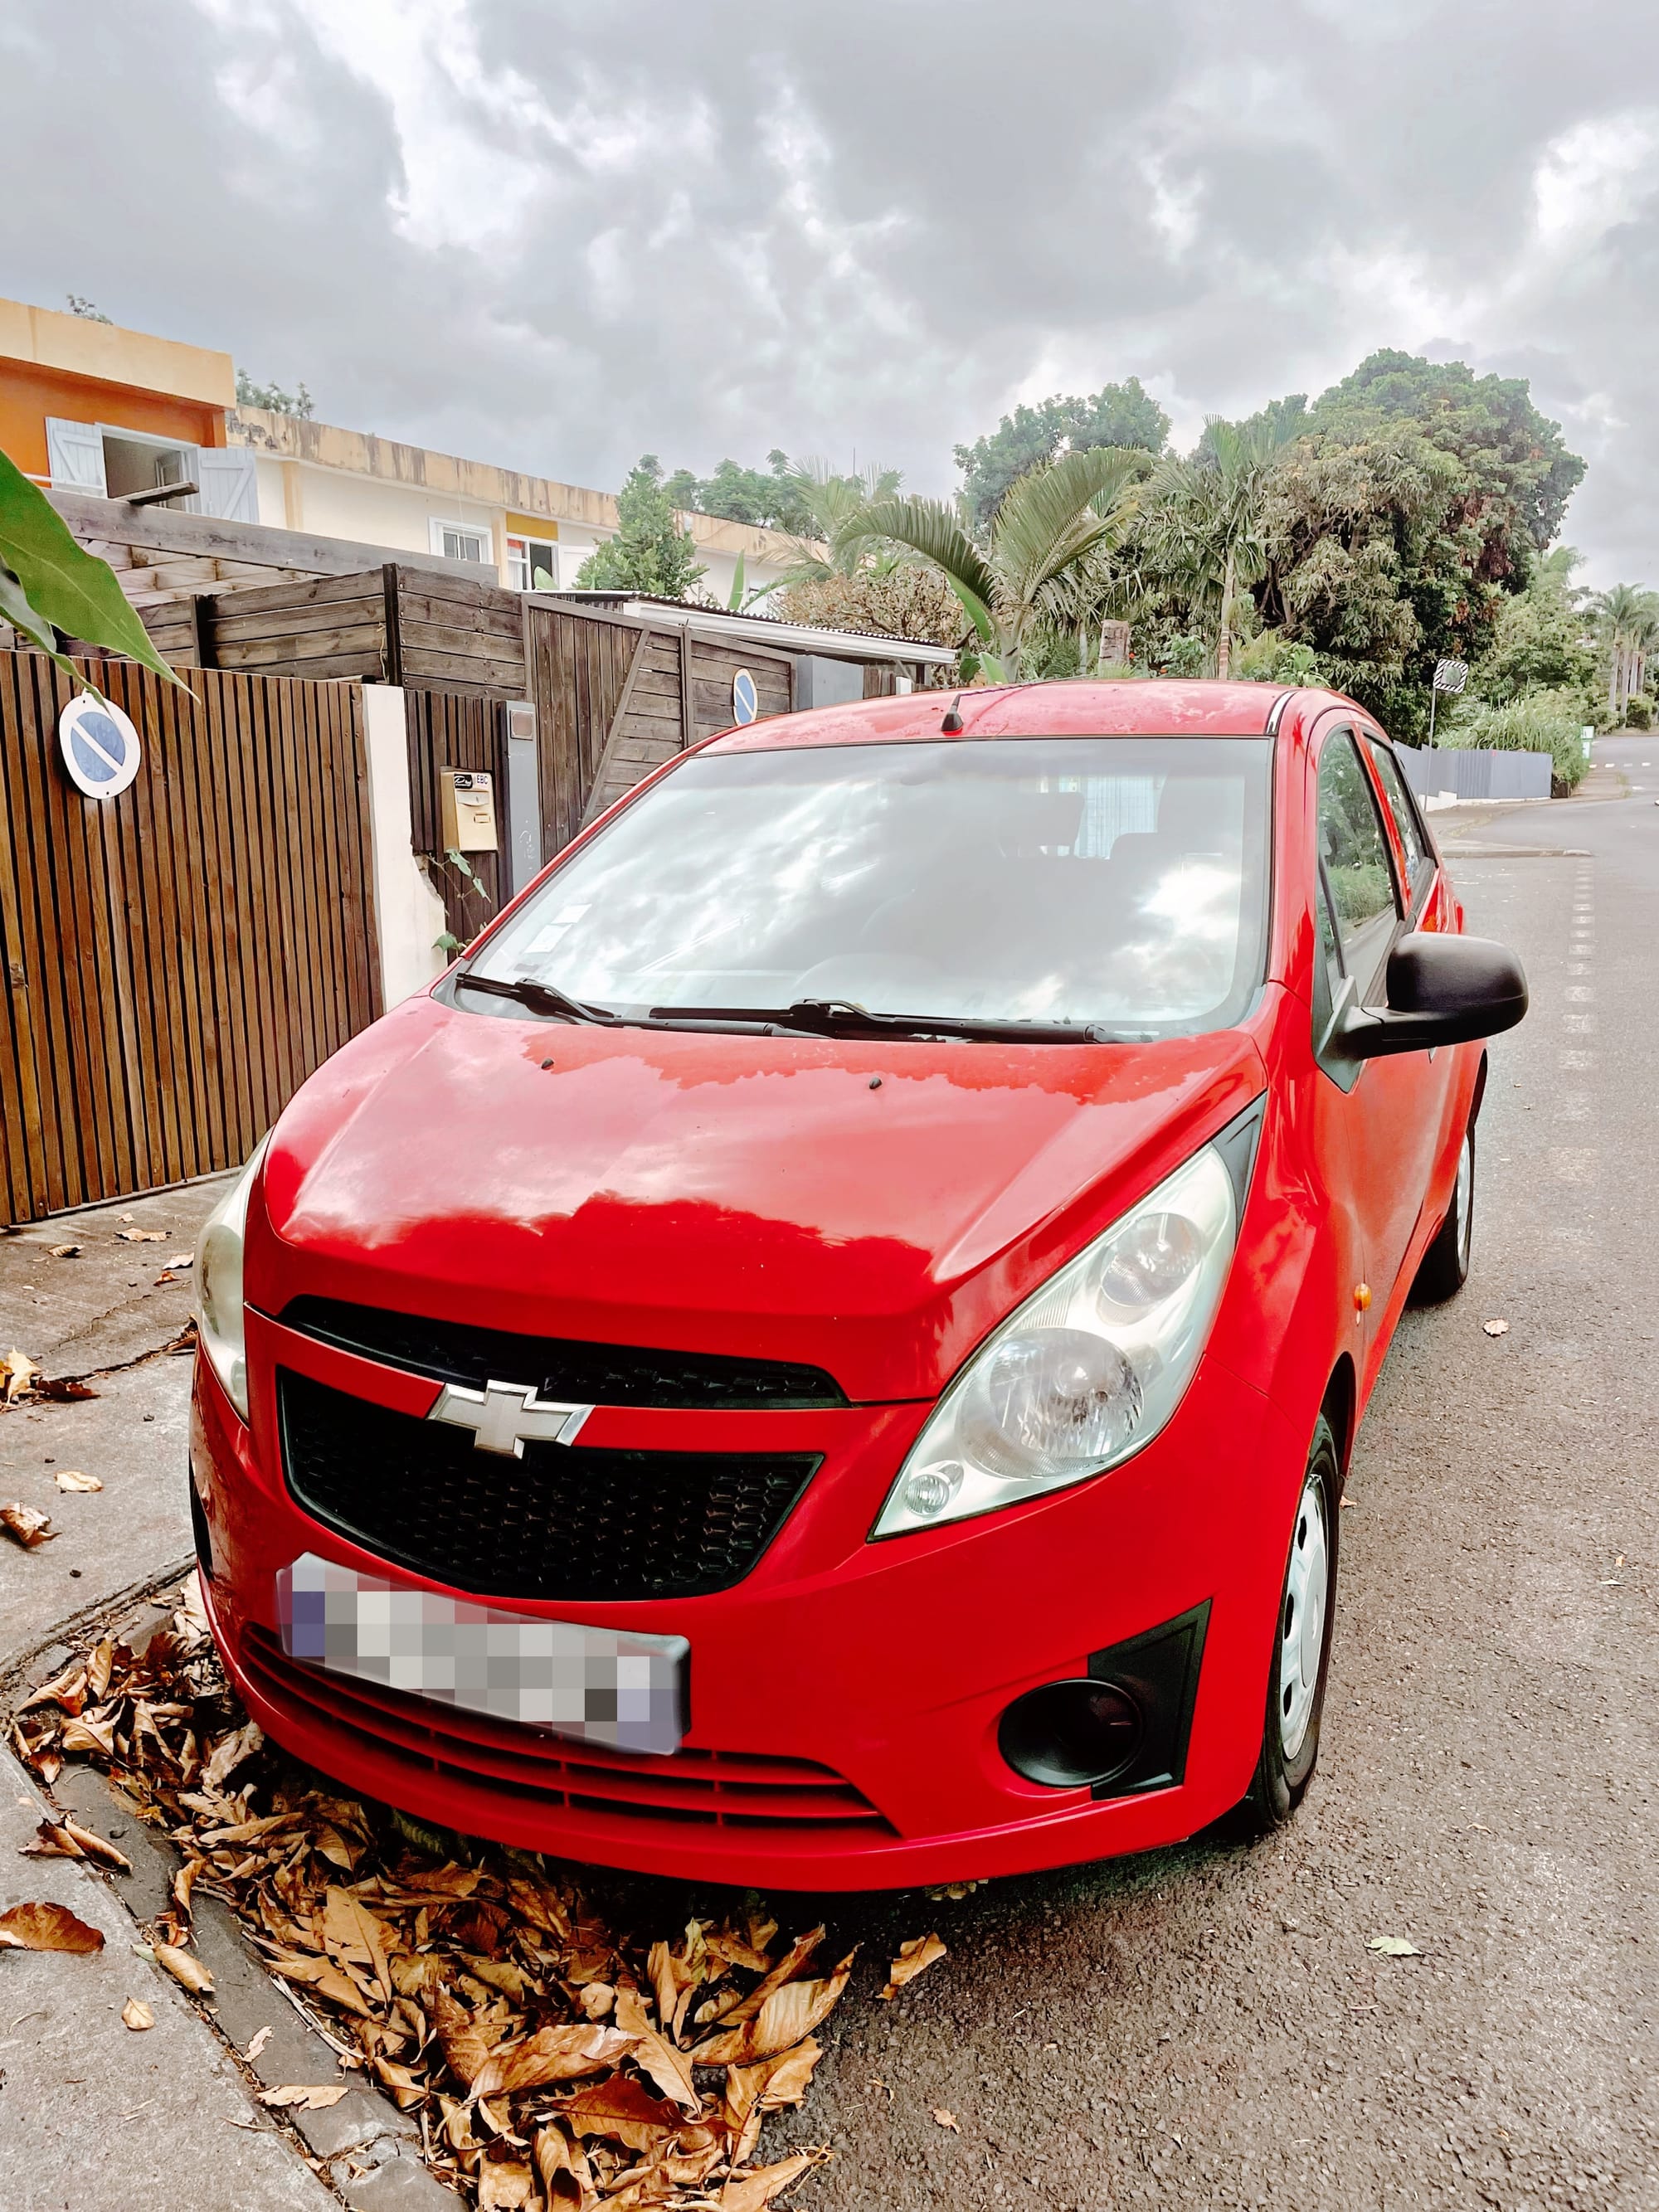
<point>553,2061</point>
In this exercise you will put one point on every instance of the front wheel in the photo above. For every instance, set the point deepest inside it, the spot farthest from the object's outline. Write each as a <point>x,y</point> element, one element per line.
<point>1302,1646</point>
<point>1445,1265</point>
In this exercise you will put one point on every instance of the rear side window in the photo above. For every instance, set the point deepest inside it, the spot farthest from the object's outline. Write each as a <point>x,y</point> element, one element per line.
<point>1419,861</point>
<point>1354,856</point>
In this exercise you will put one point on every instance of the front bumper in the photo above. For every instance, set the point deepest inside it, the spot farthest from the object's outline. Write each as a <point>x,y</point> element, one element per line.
<point>845,1697</point>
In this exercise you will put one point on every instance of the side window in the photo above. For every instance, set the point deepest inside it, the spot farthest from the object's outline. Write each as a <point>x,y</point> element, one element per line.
<point>1355,855</point>
<point>1419,861</point>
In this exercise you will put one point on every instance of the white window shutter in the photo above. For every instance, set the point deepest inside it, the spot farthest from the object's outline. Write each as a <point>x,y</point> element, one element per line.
<point>76,452</point>
<point>228,477</point>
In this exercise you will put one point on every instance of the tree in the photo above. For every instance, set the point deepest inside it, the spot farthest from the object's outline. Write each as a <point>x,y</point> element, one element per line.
<point>52,589</point>
<point>766,499</point>
<point>1518,473</point>
<point>272,397</point>
<point>1117,415</point>
<point>1543,641</point>
<point>1628,618</point>
<point>650,554</point>
<point>1205,517</point>
<point>1046,528</point>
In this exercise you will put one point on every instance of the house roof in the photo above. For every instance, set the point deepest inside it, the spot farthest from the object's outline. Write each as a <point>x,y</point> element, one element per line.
<point>763,629</point>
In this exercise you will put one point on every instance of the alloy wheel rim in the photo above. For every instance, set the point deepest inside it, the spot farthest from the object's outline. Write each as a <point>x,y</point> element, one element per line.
<point>1301,1621</point>
<point>1465,1198</point>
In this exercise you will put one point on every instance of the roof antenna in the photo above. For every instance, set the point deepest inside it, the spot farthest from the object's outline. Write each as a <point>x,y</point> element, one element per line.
<point>951,724</point>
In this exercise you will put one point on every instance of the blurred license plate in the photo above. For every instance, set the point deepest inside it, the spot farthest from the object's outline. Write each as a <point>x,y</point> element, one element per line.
<point>600,1684</point>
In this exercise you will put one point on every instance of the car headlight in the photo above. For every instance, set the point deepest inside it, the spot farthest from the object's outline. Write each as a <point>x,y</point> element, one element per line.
<point>1093,1364</point>
<point>219,1318</point>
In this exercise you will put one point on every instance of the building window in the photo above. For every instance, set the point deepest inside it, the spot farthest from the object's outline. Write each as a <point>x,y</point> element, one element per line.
<point>461,541</point>
<point>532,565</point>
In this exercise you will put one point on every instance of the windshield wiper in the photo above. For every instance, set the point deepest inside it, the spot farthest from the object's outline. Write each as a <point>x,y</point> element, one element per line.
<point>540,998</point>
<point>847,1018</point>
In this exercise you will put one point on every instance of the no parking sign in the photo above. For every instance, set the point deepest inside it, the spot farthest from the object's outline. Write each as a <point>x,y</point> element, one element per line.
<point>99,746</point>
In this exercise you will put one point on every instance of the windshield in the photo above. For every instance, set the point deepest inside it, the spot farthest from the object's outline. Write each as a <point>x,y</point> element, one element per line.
<point>1087,880</point>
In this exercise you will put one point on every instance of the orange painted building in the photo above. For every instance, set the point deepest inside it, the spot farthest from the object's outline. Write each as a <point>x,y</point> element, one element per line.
<point>91,405</point>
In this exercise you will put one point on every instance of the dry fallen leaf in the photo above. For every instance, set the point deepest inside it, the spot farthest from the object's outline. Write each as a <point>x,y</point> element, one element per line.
<point>753,2192</point>
<point>955,1891</point>
<point>1496,1327</point>
<point>167,1275</point>
<point>787,2014</point>
<point>17,1370</point>
<point>70,1478</point>
<point>182,1259</point>
<point>68,1839</point>
<point>944,2120</point>
<point>143,1236</point>
<point>230,1752</point>
<point>261,2037</point>
<point>914,1957</point>
<point>1394,1947</point>
<point>137,2015</point>
<point>66,1251</point>
<point>552,2054</point>
<point>184,1967</point>
<point>42,1927</point>
<point>308,2099</point>
<point>25,1526</point>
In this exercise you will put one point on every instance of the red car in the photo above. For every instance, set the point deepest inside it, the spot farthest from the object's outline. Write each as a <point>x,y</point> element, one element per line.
<point>824,1351</point>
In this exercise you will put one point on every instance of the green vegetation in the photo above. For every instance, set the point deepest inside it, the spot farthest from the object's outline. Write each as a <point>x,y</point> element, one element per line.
<point>650,553</point>
<point>1550,722</point>
<point>52,590</point>
<point>1117,415</point>
<point>272,397</point>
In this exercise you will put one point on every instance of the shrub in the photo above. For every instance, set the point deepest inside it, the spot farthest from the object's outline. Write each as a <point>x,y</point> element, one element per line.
<point>1550,722</point>
<point>1638,713</point>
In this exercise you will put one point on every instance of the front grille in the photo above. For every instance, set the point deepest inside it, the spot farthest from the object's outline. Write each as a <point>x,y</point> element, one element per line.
<point>566,1521</point>
<point>587,1374</point>
<point>721,1789</point>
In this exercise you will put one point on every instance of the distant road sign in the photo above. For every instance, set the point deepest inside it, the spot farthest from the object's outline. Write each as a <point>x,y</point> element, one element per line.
<point>99,746</point>
<point>745,699</point>
<point>1451,675</point>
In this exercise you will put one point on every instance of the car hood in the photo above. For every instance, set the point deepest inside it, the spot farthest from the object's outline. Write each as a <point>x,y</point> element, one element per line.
<point>872,1208</point>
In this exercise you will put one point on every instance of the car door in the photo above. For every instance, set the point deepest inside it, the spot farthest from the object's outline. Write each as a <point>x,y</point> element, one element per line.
<point>1389,1107</point>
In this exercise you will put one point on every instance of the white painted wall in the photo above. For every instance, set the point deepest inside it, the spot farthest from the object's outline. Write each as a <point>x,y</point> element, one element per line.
<point>410,912</point>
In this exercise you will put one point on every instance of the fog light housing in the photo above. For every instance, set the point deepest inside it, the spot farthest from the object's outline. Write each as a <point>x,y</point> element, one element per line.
<point>1073,1735</point>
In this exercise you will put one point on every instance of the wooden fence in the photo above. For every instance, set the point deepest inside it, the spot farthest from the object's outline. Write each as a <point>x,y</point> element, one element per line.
<point>457,729</point>
<point>178,960</point>
<point>616,696</point>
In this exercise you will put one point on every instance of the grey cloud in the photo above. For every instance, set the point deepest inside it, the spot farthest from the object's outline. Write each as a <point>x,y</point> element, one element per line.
<point>587,231</point>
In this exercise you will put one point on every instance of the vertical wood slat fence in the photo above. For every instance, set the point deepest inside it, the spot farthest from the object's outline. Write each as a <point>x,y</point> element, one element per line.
<point>465,730</point>
<point>178,960</point>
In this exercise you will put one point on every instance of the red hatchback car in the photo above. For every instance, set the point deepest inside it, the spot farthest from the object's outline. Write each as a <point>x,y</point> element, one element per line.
<point>824,1351</point>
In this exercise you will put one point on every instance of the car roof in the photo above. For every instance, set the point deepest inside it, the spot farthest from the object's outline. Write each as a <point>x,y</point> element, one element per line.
<point>1127,706</point>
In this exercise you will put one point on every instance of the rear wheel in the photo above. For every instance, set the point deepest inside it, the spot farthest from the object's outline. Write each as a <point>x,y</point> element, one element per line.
<point>1302,1646</point>
<point>1445,1266</point>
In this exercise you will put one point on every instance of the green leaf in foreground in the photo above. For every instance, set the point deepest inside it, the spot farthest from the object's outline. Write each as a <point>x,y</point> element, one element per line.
<point>65,585</point>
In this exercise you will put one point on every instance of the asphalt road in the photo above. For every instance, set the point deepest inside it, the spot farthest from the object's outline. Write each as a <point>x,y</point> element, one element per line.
<point>1206,2025</point>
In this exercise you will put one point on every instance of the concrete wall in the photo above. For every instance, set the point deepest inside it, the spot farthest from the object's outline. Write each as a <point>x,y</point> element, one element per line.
<point>410,914</point>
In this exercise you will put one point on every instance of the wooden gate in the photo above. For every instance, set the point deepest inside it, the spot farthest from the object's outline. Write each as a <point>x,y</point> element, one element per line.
<point>177,960</point>
<point>616,696</point>
<point>457,729</point>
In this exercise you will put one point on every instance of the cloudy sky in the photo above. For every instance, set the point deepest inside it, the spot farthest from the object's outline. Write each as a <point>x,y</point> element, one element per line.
<point>554,236</point>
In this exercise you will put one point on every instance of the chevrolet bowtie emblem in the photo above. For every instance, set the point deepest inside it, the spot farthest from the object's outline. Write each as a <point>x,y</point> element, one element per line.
<point>504,1417</point>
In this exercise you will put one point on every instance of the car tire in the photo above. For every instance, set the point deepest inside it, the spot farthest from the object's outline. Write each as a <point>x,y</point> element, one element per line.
<point>1445,1265</point>
<point>1302,1646</point>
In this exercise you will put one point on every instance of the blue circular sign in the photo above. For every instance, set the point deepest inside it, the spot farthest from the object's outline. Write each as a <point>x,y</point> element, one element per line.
<point>745,699</point>
<point>99,746</point>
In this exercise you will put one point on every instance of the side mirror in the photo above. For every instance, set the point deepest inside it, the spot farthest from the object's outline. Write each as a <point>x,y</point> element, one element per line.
<point>1441,990</point>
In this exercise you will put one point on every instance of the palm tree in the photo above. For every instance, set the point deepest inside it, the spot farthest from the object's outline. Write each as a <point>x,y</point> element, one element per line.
<point>831,504</point>
<point>1036,547</point>
<point>1629,618</point>
<point>1205,516</point>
